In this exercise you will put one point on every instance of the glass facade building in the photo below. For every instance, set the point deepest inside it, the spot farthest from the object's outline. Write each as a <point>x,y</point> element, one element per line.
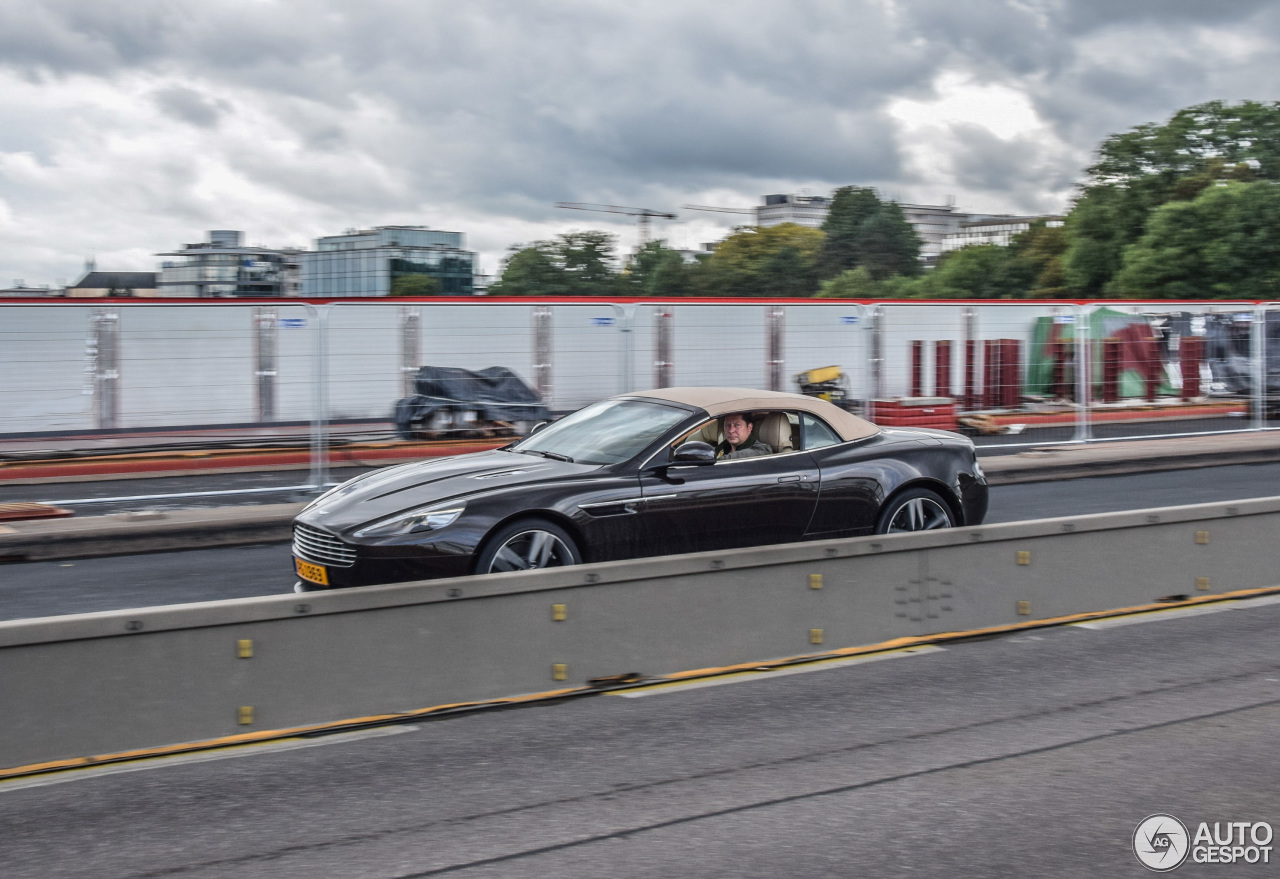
<point>224,267</point>
<point>369,262</point>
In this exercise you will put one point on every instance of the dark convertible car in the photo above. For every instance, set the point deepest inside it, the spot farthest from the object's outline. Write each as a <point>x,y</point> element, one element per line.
<point>641,474</point>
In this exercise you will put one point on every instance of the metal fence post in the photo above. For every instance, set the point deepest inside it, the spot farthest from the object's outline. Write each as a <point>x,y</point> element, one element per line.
<point>265,347</point>
<point>1258,353</point>
<point>410,347</point>
<point>542,353</point>
<point>320,398</point>
<point>626,356</point>
<point>664,317</point>
<point>104,351</point>
<point>969,385</point>
<point>875,319</point>
<point>1084,378</point>
<point>775,331</point>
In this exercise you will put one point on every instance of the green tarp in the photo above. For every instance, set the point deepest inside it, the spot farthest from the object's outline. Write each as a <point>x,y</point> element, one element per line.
<point>1104,323</point>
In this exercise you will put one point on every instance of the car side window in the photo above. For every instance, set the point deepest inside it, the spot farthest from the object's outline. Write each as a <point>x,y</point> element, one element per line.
<point>816,433</point>
<point>707,432</point>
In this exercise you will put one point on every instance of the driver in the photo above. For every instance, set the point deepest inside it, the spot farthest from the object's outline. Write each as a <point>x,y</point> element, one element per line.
<point>740,440</point>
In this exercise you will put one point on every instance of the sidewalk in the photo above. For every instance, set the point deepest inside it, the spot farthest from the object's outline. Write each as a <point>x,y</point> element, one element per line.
<point>1078,460</point>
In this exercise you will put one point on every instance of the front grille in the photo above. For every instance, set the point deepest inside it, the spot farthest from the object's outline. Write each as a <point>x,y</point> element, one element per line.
<point>314,545</point>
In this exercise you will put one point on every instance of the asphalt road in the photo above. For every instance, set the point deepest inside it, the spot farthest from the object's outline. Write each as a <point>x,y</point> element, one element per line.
<point>1034,754</point>
<point>51,588</point>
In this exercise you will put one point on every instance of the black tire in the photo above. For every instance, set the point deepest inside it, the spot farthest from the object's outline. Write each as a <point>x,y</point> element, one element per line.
<point>916,509</point>
<point>528,544</point>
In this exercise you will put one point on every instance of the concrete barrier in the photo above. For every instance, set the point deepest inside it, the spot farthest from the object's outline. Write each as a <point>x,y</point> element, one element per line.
<point>98,685</point>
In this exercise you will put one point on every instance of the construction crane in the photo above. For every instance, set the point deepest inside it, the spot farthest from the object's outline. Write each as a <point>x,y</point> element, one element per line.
<point>642,215</point>
<point>718,210</point>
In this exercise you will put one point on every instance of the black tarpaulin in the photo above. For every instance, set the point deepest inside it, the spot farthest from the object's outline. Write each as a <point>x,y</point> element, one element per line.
<point>495,394</point>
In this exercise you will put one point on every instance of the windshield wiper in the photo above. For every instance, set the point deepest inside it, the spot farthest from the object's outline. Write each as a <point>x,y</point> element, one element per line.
<point>555,456</point>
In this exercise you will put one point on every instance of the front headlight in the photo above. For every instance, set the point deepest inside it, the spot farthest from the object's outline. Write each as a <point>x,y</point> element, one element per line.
<point>412,522</point>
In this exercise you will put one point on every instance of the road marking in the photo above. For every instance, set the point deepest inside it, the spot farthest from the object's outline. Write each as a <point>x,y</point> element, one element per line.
<point>1154,616</point>
<point>228,753</point>
<point>1175,612</point>
<point>742,677</point>
<point>1246,603</point>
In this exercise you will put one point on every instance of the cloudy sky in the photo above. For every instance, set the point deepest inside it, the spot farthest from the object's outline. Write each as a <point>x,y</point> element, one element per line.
<point>128,128</point>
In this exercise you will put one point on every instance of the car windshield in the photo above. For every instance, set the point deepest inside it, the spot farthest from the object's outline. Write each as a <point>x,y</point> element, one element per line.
<point>603,433</point>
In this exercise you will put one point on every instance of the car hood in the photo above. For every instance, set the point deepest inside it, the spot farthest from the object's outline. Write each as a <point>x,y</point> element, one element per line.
<point>409,486</point>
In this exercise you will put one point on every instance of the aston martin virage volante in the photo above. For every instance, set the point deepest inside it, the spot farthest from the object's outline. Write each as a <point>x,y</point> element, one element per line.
<point>641,474</point>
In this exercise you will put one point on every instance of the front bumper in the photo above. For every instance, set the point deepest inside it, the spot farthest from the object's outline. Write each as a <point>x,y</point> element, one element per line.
<point>372,564</point>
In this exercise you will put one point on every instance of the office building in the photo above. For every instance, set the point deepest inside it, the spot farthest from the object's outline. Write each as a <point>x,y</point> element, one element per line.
<point>803,210</point>
<point>224,267</point>
<point>372,262</point>
<point>20,290</point>
<point>931,222</point>
<point>998,230</point>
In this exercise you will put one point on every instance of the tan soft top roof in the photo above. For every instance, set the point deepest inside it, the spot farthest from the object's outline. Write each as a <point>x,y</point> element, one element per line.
<point>722,401</point>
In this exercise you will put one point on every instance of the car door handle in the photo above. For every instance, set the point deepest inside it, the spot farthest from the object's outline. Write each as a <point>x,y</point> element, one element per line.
<point>794,478</point>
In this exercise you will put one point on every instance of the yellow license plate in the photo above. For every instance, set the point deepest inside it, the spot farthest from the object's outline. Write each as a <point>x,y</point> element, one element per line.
<point>314,573</point>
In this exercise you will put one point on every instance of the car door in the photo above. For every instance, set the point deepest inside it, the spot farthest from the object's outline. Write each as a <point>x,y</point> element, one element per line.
<point>852,476</point>
<point>742,502</point>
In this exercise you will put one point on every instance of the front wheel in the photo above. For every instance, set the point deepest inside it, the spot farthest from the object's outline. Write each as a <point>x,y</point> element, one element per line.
<point>917,509</point>
<point>527,545</point>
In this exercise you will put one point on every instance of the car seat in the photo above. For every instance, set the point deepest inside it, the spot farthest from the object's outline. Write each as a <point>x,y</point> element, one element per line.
<point>775,431</point>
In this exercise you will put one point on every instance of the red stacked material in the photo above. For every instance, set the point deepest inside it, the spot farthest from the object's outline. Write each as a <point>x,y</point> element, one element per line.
<point>942,368</point>
<point>938,412</point>
<point>1191,351</point>
<point>1112,358</point>
<point>917,368</point>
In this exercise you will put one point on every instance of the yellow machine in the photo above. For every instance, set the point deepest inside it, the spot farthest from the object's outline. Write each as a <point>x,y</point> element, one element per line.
<point>826,382</point>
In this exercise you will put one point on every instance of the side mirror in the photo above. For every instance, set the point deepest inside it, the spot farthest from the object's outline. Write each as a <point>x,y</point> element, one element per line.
<point>694,452</point>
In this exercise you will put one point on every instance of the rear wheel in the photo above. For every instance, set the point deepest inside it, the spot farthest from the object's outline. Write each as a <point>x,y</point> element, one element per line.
<point>917,509</point>
<point>527,545</point>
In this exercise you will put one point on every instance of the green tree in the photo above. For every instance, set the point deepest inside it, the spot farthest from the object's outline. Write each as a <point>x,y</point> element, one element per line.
<point>851,206</point>
<point>1223,244</point>
<point>980,271</point>
<point>861,229</point>
<point>777,260</point>
<point>587,258</point>
<point>1042,247</point>
<point>573,264</point>
<point>530,271</point>
<point>657,270</point>
<point>1151,165</point>
<point>415,285</point>
<point>889,244</point>
<point>852,284</point>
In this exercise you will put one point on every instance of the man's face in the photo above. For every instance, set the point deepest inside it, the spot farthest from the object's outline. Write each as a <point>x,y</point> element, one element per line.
<point>736,430</point>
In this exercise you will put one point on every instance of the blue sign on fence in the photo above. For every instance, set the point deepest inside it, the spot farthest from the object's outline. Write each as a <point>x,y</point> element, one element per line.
<point>293,323</point>
<point>603,321</point>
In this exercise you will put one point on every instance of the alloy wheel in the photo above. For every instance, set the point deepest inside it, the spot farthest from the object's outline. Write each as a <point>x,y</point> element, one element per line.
<point>529,550</point>
<point>919,514</point>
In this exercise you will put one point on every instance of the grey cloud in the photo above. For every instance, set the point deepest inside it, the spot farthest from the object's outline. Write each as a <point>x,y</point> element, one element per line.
<point>189,105</point>
<point>1084,15</point>
<point>502,108</point>
<point>988,163</point>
